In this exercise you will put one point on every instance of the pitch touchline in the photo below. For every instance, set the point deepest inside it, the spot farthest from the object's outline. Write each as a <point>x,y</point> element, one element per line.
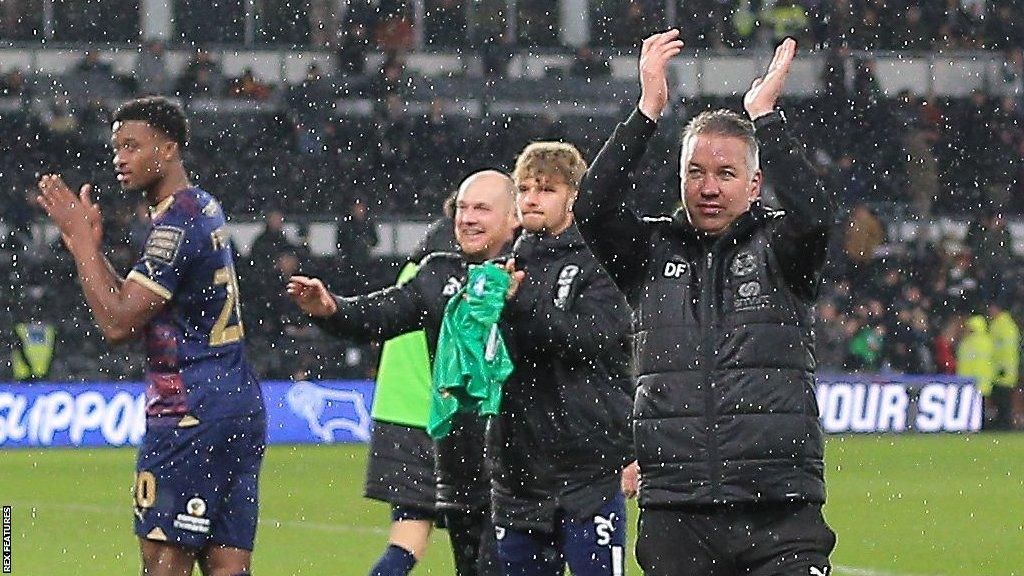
<point>855,571</point>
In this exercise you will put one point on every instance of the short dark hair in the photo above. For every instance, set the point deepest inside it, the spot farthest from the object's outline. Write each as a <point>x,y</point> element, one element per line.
<point>725,123</point>
<point>160,113</point>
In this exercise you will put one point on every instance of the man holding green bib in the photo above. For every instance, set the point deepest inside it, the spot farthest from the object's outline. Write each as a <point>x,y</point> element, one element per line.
<point>401,468</point>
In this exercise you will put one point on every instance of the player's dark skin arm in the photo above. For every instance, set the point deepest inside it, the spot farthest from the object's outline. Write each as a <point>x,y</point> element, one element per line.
<point>120,308</point>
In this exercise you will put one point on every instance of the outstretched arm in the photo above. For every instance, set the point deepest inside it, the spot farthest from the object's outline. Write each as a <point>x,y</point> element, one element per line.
<point>376,316</point>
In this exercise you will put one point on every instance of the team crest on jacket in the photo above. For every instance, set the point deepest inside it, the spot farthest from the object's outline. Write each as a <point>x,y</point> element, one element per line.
<point>565,278</point>
<point>743,264</point>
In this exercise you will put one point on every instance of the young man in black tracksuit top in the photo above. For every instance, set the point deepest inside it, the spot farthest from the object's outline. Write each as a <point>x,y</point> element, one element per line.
<point>725,423</point>
<point>561,439</point>
<point>485,220</point>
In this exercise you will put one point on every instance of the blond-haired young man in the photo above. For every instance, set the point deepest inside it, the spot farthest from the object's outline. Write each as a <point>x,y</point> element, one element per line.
<point>562,438</point>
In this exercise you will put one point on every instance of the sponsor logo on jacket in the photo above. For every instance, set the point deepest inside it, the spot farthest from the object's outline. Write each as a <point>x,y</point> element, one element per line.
<point>564,285</point>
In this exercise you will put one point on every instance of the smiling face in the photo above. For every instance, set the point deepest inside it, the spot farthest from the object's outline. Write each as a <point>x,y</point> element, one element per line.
<point>718,180</point>
<point>485,215</point>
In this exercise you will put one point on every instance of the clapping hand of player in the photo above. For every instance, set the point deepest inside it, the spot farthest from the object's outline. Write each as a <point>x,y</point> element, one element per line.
<point>311,296</point>
<point>765,91</point>
<point>515,277</point>
<point>77,217</point>
<point>657,50</point>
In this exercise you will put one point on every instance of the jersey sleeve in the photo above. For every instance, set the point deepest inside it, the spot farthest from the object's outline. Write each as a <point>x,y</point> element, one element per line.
<point>171,246</point>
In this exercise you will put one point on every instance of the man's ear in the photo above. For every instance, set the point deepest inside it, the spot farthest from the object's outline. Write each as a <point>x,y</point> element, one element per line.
<point>171,149</point>
<point>755,185</point>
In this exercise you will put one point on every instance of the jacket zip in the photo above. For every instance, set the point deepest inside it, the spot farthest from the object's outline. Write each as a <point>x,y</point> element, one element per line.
<point>706,308</point>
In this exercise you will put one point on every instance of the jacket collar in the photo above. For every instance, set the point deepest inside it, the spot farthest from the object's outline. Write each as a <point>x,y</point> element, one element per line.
<point>740,229</point>
<point>532,241</point>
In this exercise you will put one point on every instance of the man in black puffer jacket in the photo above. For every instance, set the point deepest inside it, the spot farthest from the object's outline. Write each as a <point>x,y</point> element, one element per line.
<point>485,219</point>
<point>561,439</point>
<point>725,422</point>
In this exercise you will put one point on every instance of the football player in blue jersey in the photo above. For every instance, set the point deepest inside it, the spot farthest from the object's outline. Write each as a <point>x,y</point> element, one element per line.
<point>198,466</point>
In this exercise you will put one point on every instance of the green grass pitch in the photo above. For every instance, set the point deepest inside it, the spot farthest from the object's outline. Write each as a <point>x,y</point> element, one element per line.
<point>902,506</point>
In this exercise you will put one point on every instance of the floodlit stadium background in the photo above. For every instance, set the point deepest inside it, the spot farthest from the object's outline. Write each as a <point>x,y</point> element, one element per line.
<point>341,126</point>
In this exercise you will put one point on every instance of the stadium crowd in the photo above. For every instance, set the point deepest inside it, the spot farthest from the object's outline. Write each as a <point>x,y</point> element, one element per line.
<point>890,305</point>
<point>448,24</point>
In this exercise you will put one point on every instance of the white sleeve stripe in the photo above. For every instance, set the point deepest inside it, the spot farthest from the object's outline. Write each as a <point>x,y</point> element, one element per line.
<point>149,283</point>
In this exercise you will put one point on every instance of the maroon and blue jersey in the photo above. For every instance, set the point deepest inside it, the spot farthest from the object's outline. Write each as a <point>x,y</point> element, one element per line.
<point>196,365</point>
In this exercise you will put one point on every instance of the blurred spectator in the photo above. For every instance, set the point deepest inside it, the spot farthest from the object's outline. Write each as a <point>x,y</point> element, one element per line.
<point>394,33</point>
<point>12,84</point>
<point>991,245</point>
<point>537,23</point>
<point>910,345</point>
<point>863,235</point>
<point>974,358</point>
<point>33,350</point>
<point>830,337</point>
<point>944,347</point>
<point>1006,360</point>
<point>496,53</point>
<point>248,87</point>
<point>350,57</point>
<point>394,133</point>
<point>60,119</point>
<point>92,62</point>
<point>391,80</point>
<point>269,243</point>
<point>356,235</point>
<point>588,65</point>
<point>914,35</point>
<point>922,170</point>
<point>279,315</point>
<point>202,77</point>
<point>323,23</point>
<point>1006,26</point>
<point>865,350</point>
<point>853,184</point>
<point>92,79</point>
<point>313,99</point>
<point>151,74</point>
<point>787,19</point>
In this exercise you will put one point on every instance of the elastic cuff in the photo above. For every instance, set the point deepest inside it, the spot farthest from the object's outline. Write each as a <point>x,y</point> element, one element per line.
<point>326,323</point>
<point>773,117</point>
<point>639,123</point>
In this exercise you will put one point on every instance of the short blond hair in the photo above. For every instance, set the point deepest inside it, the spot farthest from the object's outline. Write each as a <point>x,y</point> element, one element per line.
<point>551,159</point>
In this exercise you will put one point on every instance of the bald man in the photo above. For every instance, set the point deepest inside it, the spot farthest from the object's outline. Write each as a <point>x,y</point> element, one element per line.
<point>485,221</point>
